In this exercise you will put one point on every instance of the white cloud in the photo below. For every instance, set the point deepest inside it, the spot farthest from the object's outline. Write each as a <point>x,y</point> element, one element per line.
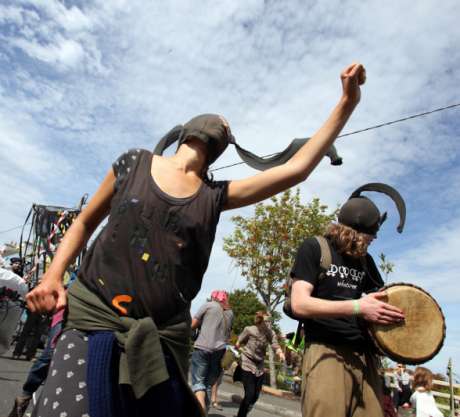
<point>64,53</point>
<point>59,36</point>
<point>29,170</point>
<point>71,19</point>
<point>11,15</point>
<point>14,145</point>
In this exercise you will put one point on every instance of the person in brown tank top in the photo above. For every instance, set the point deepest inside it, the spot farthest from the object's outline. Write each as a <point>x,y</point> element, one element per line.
<point>149,261</point>
<point>255,340</point>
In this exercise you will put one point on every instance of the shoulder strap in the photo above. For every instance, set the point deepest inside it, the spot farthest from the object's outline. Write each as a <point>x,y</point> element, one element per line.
<point>326,256</point>
<point>225,319</point>
<point>365,266</point>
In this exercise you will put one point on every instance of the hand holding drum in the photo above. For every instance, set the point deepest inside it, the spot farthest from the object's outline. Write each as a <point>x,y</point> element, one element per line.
<point>415,339</point>
<point>375,310</point>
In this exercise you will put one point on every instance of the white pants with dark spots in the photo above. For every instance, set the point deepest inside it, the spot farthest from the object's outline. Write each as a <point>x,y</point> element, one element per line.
<point>64,393</point>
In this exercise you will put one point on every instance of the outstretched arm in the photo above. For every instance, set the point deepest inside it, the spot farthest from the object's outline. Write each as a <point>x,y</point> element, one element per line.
<point>49,295</point>
<point>371,308</point>
<point>298,168</point>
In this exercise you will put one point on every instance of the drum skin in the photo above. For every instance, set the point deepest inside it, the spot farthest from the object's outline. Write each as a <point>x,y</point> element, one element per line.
<point>420,337</point>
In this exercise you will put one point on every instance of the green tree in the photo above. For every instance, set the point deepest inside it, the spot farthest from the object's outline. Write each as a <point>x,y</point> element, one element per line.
<point>264,246</point>
<point>244,304</point>
<point>386,266</point>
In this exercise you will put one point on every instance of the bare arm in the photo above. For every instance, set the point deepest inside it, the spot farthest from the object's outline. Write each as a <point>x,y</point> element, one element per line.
<point>370,306</point>
<point>242,338</point>
<point>195,323</point>
<point>49,295</point>
<point>298,168</point>
<point>276,347</point>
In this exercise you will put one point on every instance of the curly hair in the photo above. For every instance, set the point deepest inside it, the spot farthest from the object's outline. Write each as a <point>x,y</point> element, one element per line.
<point>423,378</point>
<point>347,240</point>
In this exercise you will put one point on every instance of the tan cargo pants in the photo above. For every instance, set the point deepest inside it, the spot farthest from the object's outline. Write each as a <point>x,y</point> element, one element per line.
<point>338,382</point>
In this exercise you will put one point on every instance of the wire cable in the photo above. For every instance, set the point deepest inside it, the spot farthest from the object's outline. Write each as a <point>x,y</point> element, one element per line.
<point>403,119</point>
<point>9,230</point>
<point>360,130</point>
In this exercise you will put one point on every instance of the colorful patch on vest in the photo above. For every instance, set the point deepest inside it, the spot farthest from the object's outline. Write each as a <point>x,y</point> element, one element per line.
<point>122,298</point>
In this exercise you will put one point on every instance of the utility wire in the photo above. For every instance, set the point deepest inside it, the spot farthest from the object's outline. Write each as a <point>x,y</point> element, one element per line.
<point>9,230</point>
<point>14,228</point>
<point>340,136</point>
<point>359,131</point>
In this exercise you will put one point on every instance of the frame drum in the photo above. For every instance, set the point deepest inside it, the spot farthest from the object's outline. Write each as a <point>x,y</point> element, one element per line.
<point>420,337</point>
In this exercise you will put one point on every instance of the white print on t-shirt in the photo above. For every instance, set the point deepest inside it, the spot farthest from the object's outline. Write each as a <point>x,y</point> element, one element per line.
<point>347,285</point>
<point>346,277</point>
<point>345,272</point>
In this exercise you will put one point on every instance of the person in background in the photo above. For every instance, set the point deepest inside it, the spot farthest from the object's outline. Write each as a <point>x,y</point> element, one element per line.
<point>30,338</point>
<point>403,378</point>
<point>35,327</point>
<point>422,400</point>
<point>255,340</point>
<point>12,288</point>
<point>17,266</point>
<point>391,381</point>
<point>388,379</point>
<point>214,318</point>
<point>294,354</point>
<point>214,392</point>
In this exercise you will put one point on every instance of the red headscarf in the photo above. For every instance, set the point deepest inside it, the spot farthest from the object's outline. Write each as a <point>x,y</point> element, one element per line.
<point>221,297</point>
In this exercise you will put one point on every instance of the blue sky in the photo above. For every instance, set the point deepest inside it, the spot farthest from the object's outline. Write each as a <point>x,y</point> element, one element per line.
<point>82,81</point>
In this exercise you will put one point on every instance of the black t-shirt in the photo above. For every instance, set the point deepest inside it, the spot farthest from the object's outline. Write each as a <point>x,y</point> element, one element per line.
<point>346,279</point>
<point>150,258</point>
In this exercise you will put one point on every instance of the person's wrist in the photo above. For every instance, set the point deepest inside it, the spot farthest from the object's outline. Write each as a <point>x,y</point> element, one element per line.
<point>51,279</point>
<point>348,103</point>
<point>356,307</point>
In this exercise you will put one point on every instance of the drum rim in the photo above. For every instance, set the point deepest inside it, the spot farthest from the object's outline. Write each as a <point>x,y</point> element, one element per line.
<point>395,356</point>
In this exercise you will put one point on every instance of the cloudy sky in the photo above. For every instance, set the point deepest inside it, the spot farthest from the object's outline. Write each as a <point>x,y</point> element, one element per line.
<point>83,81</point>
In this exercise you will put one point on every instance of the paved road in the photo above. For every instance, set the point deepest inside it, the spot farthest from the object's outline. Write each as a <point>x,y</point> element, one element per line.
<point>12,376</point>
<point>14,372</point>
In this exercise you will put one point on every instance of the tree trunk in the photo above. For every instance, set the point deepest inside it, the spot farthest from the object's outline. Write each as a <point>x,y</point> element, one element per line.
<point>271,359</point>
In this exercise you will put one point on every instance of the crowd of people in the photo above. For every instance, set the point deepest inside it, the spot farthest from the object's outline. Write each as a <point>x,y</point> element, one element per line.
<point>125,343</point>
<point>213,322</point>
<point>402,389</point>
